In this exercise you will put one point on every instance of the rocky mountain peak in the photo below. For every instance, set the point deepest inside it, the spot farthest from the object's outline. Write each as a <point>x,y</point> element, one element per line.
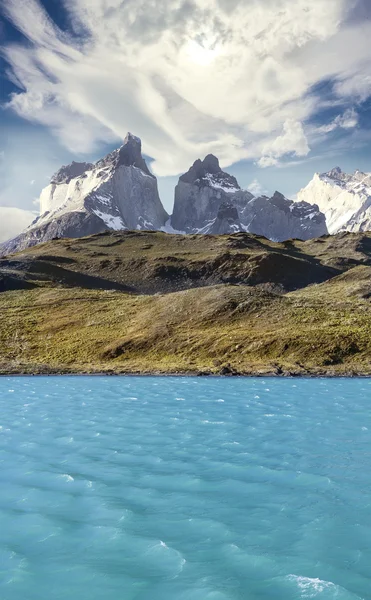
<point>335,173</point>
<point>226,221</point>
<point>208,173</point>
<point>69,172</point>
<point>208,200</point>
<point>280,201</point>
<point>128,155</point>
<point>119,192</point>
<point>211,164</point>
<point>201,168</point>
<point>334,177</point>
<point>345,199</point>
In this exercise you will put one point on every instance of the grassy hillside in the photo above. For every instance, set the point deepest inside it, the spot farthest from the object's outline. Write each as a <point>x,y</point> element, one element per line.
<point>152,302</point>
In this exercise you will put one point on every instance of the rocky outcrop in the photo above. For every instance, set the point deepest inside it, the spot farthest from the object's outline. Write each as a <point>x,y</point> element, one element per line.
<point>344,199</point>
<point>208,200</point>
<point>200,193</point>
<point>67,225</point>
<point>226,221</point>
<point>66,173</point>
<point>118,192</point>
<point>280,219</point>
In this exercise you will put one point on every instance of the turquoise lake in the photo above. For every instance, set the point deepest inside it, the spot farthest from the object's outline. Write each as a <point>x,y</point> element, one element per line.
<point>185,488</point>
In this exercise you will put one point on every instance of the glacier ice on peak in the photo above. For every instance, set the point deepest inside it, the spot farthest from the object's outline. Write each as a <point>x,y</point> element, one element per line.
<point>345,199</point>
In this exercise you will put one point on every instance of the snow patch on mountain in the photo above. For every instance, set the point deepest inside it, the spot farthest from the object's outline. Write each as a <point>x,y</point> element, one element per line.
<point>118,192</point>
<point>225,185</point>
<point>111,221</point>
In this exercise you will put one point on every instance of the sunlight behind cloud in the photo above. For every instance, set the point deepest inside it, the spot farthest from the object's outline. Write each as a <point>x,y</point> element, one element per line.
<point>230,77</point>
<point>201,54</point>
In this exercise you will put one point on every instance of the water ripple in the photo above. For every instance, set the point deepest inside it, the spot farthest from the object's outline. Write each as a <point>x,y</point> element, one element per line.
<point>184,489</point>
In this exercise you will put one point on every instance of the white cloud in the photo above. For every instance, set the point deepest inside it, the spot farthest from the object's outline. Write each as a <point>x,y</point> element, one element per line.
<point>292,140</point>
<point>256,188</point>
<point>189,76</point>
<point>348,120</point>
<point>13,221</point>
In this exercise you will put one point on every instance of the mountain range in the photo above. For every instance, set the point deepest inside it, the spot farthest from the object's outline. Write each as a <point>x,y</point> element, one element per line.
<point>120,193</point>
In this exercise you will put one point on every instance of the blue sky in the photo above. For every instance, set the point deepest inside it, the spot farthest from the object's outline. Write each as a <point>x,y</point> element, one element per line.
<point>276,89</point>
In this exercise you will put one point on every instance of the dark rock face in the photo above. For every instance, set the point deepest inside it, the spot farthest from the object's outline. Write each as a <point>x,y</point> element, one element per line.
<point>227,212</point>
<point>208,200</point>
<point>70,225</point>
<point>280,219</point>
<point>66,173</point>
<point>129,155</point>
<point>200,193</point>
<point>227,220</point>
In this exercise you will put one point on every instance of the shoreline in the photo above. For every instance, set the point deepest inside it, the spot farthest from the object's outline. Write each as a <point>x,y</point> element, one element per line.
<point>351,374</point>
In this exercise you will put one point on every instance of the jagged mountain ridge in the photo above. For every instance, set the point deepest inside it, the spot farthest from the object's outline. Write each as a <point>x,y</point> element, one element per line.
<point>119,192</point>
<point>208,200</point>
<point>345,199</point>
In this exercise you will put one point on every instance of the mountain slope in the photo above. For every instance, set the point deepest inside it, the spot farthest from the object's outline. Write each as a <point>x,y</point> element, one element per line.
<point>344,199</point>
<point>152,262</point>
<point>118,192</point>
<point>153,302</point>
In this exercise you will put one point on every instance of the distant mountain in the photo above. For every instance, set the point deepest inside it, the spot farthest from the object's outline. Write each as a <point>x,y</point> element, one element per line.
<point>208,200</point>
<point>118,192</point>
<point>344,199</point>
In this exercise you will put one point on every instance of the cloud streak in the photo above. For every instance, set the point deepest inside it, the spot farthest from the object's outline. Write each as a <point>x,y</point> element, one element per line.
<point>232,77</point>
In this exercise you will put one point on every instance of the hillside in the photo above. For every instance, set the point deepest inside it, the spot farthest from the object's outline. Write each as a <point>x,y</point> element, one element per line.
<point>154,302</point>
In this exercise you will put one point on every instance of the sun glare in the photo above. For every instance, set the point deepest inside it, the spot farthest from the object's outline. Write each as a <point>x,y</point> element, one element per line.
<point>200,54</point>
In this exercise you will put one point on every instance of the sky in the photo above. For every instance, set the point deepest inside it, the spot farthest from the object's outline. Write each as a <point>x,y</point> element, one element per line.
<point>277,89</point>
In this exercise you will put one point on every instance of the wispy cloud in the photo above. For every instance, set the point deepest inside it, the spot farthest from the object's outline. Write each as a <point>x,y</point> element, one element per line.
<point>190,77</point>
<point>256,188</point>
<point>347,120</point>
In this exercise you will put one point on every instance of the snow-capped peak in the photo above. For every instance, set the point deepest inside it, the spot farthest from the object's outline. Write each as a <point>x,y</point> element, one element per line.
<point>344,198</point>
<point>208,173</point>
<point>119,189</point>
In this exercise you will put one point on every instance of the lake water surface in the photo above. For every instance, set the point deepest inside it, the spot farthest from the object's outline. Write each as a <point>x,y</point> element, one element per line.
<point>185,489</point>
